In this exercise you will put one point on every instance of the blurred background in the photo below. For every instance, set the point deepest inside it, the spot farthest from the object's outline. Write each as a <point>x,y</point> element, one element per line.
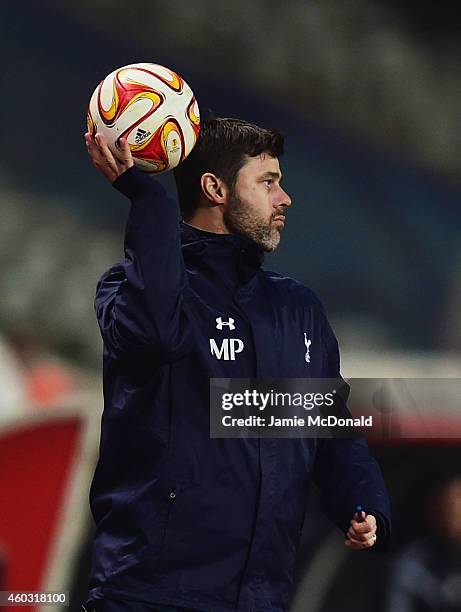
<point>367,93</point>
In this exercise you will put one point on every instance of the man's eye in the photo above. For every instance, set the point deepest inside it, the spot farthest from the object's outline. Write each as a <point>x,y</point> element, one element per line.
<point>268,182</point>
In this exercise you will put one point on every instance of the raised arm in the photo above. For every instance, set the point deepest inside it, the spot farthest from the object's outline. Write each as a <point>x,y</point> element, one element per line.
<point>140,302</point>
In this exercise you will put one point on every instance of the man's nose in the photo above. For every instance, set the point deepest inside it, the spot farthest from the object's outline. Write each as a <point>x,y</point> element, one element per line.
<point>285,199</point>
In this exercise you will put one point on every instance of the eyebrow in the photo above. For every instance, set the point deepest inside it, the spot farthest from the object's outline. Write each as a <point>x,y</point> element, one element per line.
<point>269,174</point>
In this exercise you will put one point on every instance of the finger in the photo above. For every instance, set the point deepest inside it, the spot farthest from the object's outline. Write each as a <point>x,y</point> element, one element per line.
<point>100,139</point>
<point>357,530</point>
<point>367,525</point>
<point>103,146</point>
<point>360,527</point>
<point>364,542</point>
<point>354,545</point>
<point>90,142</point>
<point>360,536</point>
<point>126,158</point>
<point>108,159</point>
<point>93,150</point>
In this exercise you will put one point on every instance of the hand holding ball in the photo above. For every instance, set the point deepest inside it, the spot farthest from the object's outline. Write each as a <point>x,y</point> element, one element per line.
<point>151,107</point>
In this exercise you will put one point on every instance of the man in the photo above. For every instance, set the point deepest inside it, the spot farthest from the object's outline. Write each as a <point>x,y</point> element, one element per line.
<point>185,520</point>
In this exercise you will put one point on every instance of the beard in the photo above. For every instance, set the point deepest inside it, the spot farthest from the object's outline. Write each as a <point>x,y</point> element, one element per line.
<point>241,218</point>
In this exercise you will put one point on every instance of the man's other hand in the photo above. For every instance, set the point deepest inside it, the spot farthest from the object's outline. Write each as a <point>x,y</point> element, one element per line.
<point>361,535</point>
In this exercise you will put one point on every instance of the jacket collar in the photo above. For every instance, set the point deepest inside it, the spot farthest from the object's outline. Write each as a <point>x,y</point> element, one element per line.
<point>234,255</point>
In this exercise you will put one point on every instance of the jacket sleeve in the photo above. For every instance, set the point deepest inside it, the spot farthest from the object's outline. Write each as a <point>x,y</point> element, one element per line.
<point>344,470</point>
<point>140,303</point>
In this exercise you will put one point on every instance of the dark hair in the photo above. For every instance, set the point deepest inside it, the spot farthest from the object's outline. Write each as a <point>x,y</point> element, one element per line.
<point>222,148</point>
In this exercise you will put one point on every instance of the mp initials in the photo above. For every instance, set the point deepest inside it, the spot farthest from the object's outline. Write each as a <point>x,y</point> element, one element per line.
<point>230,347</point>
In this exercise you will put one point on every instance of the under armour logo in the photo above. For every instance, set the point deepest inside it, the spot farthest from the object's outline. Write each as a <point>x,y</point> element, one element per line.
<point>307,342</point>
<point>220,323</point>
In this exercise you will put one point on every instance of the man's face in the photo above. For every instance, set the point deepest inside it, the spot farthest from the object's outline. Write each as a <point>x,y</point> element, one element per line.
<point>256,206</point>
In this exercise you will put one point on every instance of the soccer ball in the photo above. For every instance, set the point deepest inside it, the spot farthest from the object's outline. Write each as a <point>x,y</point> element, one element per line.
<point>153,108</point>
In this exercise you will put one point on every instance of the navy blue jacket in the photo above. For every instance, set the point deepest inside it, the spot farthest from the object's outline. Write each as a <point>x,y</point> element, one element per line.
<point>183,519</point>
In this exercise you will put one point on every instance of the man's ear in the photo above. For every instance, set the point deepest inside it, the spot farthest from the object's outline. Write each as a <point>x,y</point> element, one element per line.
<point>214,188</point>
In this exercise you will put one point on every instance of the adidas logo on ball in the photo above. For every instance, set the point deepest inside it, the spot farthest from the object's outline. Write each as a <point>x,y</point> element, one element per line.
<point>141,136</point>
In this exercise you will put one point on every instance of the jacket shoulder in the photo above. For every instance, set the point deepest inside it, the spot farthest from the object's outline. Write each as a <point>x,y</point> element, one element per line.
<point>293,289</point>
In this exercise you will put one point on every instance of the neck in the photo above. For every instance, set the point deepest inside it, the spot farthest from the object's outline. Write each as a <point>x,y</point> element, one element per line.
<point>202,220</point>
